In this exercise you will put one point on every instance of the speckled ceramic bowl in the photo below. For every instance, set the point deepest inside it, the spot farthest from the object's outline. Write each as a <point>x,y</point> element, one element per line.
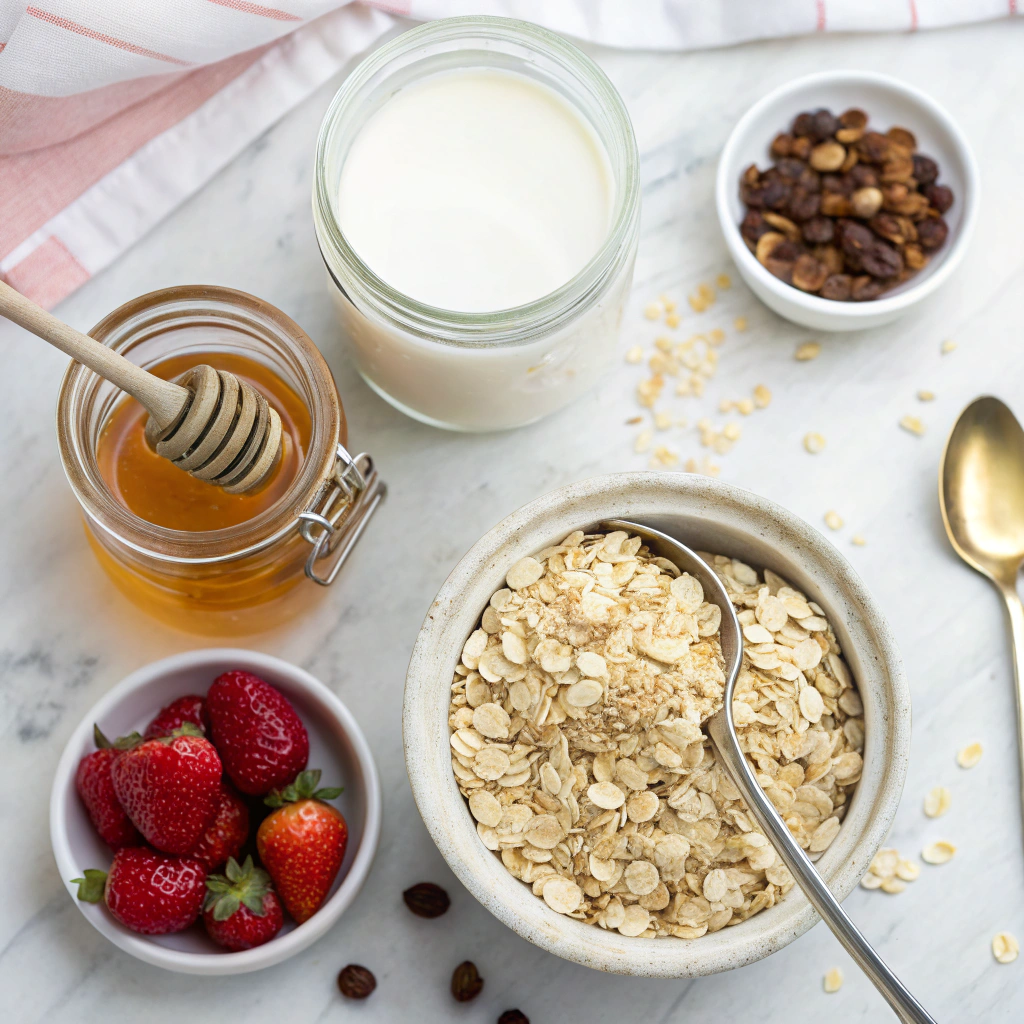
<point>711,516</point>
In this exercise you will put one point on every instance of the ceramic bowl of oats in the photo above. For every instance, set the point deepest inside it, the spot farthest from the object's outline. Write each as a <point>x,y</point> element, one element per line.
<point>554,725</point>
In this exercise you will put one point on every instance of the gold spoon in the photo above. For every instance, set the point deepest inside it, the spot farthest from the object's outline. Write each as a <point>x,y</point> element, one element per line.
<point>981,491</point>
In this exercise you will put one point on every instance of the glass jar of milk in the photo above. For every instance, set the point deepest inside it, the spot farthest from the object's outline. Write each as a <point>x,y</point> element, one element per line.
<point>477,202</point>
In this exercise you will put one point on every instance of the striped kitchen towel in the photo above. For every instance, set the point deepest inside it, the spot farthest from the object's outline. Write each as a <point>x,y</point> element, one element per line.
<point>112,112</point>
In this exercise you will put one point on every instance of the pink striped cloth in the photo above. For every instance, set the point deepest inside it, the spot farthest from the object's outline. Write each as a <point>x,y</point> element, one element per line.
<point>112,113</point>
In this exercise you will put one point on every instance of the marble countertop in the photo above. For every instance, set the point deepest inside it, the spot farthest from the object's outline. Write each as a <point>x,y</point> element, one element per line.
<point>66,635</point>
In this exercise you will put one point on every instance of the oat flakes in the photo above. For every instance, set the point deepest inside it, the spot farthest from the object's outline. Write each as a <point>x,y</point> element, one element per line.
<point>577,734</point>
<point>1005,947</point>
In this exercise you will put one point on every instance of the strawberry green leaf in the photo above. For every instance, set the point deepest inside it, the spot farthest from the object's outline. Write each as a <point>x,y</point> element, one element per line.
<point>329,793</point>
<point>90,888</point>
<point>98,738</point>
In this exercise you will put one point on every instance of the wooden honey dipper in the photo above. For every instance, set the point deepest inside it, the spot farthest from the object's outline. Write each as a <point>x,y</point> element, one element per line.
<point>206,421</point>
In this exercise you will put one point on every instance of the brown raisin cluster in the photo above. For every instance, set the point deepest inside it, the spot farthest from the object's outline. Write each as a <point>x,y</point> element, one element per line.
<point>845,212</point>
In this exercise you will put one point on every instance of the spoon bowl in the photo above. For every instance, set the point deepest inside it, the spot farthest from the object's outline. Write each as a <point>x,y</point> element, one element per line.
<point>982,489</point>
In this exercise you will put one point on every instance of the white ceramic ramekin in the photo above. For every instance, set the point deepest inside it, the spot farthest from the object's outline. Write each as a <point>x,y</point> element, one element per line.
<point>707,515</point>
<point>336,745</point>
<point>888,102</point>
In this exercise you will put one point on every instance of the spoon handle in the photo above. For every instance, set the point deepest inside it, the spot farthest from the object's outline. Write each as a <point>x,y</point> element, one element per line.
<point>905,1006</point>
<point>1015,611</point>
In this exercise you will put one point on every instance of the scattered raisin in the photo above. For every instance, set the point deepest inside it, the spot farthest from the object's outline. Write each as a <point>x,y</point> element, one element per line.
<point>356,982</point>
<point>940,196</point>
<point>513,1017</point>
<point>466,982</point>
<point>426,899</point>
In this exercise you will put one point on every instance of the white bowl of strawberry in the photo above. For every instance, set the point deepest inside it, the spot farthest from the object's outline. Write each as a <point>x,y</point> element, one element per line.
<point>215,812</point>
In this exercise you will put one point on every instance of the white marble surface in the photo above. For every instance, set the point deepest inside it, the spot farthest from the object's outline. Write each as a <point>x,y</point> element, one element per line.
<point>66,635</point>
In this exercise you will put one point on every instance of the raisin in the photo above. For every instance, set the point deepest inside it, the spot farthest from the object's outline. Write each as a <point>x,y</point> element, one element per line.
<point>940,196</point>
<point>809,274</point>
<point>819,229</point>
<point>426,899</point>
<point>753,226</point>
<point>803,205</point>
<point>837,287</point>
<point>466,982</point>
<point>803,125</point>
<point>932,233</point>
<point>864,289</point>
<point>926,170</point>
<point>356,982</point>
<point>789,168</point>
<point>882,260</point>
<point>824,124</point>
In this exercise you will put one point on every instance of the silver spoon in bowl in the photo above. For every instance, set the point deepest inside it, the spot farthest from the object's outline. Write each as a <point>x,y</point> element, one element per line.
<point>722,730</point>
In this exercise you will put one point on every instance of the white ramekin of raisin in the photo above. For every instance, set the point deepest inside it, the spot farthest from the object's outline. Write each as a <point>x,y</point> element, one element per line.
<point>846,198</point>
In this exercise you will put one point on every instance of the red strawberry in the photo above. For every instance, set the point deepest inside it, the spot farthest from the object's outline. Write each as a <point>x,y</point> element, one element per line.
<point>241,910</point>
<point>147,891</point>
<point>176,714</point>
<point>258,734</point>
<point>96,788</point>
<point>227,832</point>
<point>302,844</point>
<point>170,788</point>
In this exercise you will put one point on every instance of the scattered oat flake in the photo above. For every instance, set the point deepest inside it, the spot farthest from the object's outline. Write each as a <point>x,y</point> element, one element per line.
<point>907,870</point>
<point>939,852</point>
<point>1005,947</point>
<point>969,756</point>
<point>668,303</point>
<point>663,420</point>
<point>936,802</point>
<point>833,520</point>
<point>672,320</point>
<point>745,406</point>
<point>740,323</point>
<point>723,281</point>
<point>807,351</point>
<point>858,539</point>
<point>716,336</point>
<point>653,310</point>
<point>635,355</point>
<point>926,396</point>
<point>726,405</point>
<point>664,457</point>
<point>762,397</point>
<point>912,424</point>
<point>732,431</point>
<point>833,980</point>
<point>814,442</point>
<point>948,346</point>
<point>634,420</point>
<point>663,344</point>
<point>643,441</point>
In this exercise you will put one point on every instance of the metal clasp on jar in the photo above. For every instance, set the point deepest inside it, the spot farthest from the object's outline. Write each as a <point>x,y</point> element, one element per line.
<point>336,519</point>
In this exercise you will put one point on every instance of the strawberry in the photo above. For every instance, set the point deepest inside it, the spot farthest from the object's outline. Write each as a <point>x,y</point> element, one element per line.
<point>302,844</point>
<point>241,910</point>
<point>176,714</point>
<point>147,891</point>
<point>170,788</point>
<point>96,788</point>
<point>260,737</point>
<point>227,832</point>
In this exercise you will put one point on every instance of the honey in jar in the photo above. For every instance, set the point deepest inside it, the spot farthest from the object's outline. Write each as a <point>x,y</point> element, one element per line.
<point>184,550</point>
<point>159,492</point>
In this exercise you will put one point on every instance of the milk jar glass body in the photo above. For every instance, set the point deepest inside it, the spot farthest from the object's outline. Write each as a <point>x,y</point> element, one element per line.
<point>478,371</point>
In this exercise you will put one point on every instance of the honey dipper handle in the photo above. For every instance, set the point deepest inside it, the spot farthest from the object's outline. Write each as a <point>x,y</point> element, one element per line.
<point>163,400</point>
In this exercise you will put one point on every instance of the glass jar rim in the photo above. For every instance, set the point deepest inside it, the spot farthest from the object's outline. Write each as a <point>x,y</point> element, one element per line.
<point>204,546</point>
<point>518,324</point>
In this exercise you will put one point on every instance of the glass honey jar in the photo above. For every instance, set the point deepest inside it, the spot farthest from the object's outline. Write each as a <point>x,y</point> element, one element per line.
<point>263,567</point>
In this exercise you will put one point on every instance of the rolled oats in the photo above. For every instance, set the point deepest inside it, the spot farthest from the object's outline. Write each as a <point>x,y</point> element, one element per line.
<point>807,351</point>
<point>937,802</point>
<point>940,852</point>
<point>833,980</point>
<point>577,736</point>
<point>969,756</point>
<point>1005,947</point>
<point>814,442</point>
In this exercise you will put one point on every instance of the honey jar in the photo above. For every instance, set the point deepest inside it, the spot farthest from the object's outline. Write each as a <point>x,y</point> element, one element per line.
<point>181,549</point>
